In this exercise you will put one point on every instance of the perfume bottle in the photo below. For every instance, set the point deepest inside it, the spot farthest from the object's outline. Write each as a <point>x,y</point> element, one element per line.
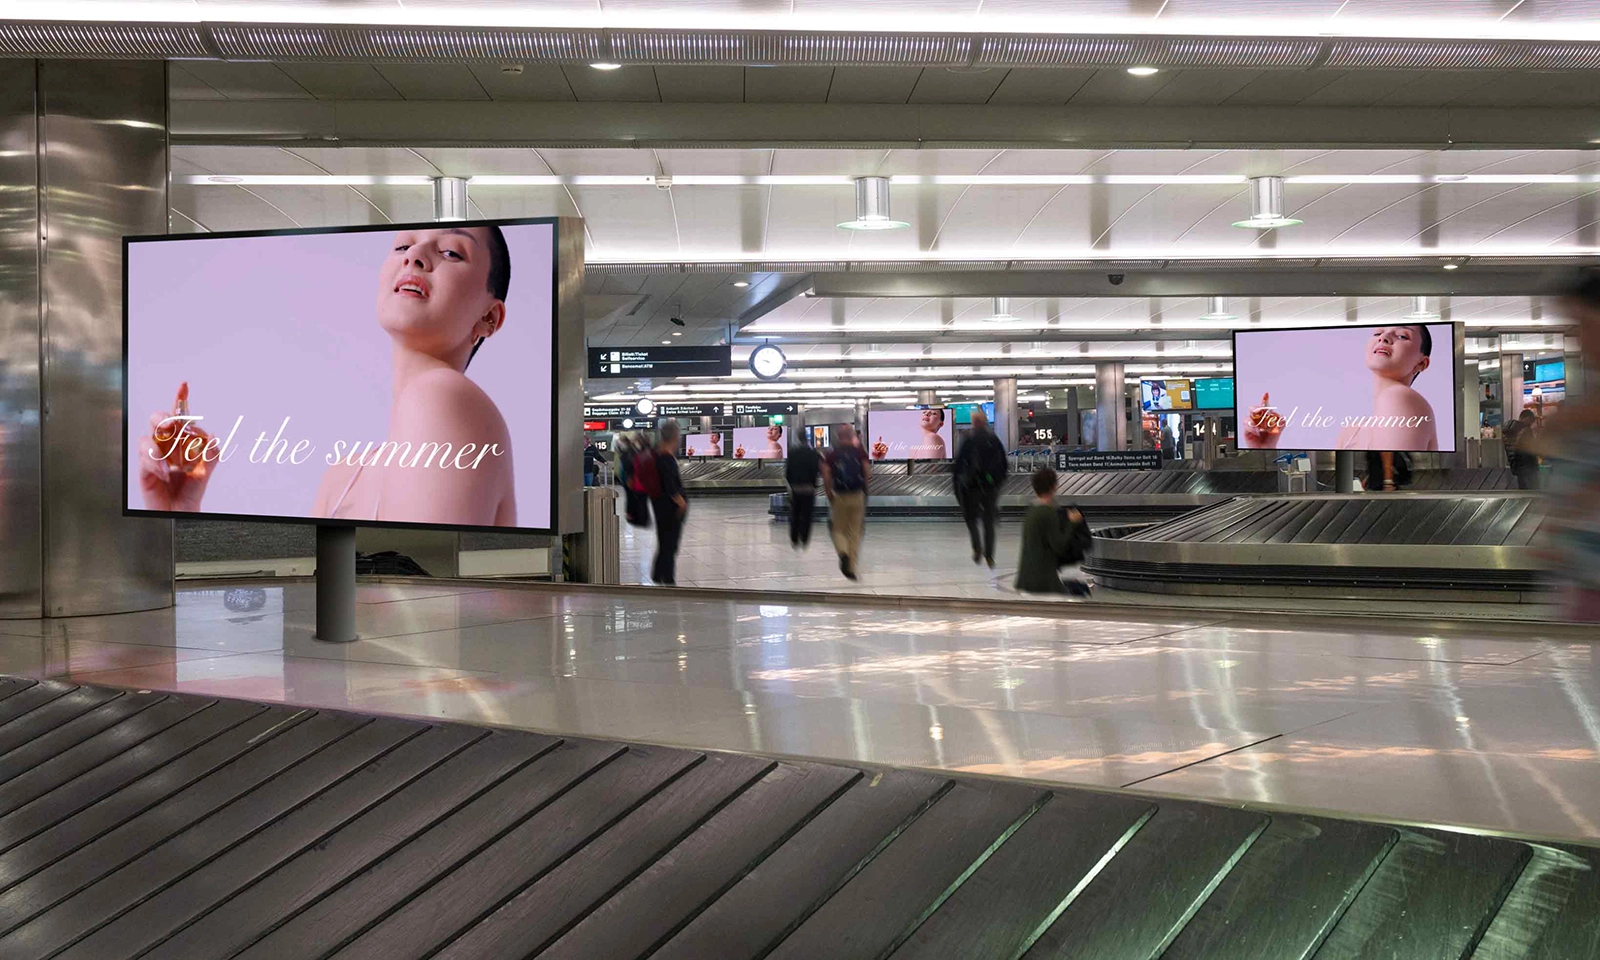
<point>183,443</point>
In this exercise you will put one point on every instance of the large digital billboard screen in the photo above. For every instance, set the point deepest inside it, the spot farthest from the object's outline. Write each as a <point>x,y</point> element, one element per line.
<point>911,434</point>
<point>1383,388</point>
<point>703,445</point>
<point>401,375</point>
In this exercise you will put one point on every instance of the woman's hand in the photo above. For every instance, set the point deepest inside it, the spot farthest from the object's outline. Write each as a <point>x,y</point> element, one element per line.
<point>163,483</point>
<point>1264,425</point>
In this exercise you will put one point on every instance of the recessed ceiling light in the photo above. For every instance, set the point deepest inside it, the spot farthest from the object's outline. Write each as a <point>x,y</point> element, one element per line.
<point>741,283</point>
<point>1144,71</point>
<point>1452,266</point>
<point>667,342</point>
<point>226,179</point>
<point>677,333</point>
<point>606,66</point>
<point>872,207</point>
<point>1266,205</point>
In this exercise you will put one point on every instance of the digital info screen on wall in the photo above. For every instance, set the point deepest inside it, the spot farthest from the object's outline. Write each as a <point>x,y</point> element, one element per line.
<point>401,376</point>
<point>1382,388</point>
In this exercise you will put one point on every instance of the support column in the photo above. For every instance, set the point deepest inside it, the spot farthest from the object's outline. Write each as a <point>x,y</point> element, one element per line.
<point>1510,388</point>
<point>1074,419</point>
<point>336,584</point>
<point>83,160</point>
<point>1110,409</point>
<point>1344,471</point>
<point>1005,411</point>
<point>862,408</point>
<point>1470,394</point>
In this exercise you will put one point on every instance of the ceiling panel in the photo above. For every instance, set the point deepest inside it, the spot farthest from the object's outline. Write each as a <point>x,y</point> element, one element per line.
<point>183,85</point>
<point>251,81</point>
<point>625,84</point>
<point>1040,86</point>
<point>1201,87</point>
<point>873,84</point>
<point>515,81</point>
<point>1554,11</point>
<point>342,81</point>
<point>1282,87</point>
<point>956,85</point>
<point>1550,90</point>
<point>787,84</point>
<point>1118,87</point>
<point>433,81</point>
<point>701,84</point>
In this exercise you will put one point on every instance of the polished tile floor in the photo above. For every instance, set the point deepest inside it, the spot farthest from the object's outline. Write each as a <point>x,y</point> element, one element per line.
<point>732,543</point>
<point>1491,725</point>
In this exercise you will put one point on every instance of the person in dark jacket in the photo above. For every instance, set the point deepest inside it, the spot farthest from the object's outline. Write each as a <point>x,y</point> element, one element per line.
<point>979,472</point>
<point>670,507</point>
<point>803,467</point>
<point>1050,538</point>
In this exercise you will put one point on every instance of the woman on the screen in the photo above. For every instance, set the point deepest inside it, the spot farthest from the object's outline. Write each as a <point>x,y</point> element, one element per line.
<point>774,448</point>
<point>932,445</point>
<point>441,294</point>
<point>1401,418</point>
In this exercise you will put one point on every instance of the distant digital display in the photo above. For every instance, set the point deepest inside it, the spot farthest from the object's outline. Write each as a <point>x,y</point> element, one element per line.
<point>704,445</point>
<point>911,434</point>
<point>760,443</point>
<point>1548,371</point>
<point>1213,393</point>
<point>1166,394</point>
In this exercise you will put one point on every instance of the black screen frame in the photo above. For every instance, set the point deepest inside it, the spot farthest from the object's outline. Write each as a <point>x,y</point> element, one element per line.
<point>128,510</point>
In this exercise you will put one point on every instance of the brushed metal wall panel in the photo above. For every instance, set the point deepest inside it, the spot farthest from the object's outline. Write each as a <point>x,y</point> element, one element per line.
<point>21,583</point>
<point>103,174</point>
<point>571,369</point>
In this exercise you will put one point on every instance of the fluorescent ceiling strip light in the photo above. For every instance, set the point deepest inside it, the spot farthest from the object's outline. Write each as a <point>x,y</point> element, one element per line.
<point>831,180</point>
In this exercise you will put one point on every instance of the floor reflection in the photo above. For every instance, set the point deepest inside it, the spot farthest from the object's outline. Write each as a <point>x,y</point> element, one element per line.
<point>1462,724</point>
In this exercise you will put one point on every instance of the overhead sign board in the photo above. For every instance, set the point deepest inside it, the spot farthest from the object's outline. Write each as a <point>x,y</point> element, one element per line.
<point>765,409</point>
<point>689,409</point>
<point>656,362</point>
<point>1109,460</point>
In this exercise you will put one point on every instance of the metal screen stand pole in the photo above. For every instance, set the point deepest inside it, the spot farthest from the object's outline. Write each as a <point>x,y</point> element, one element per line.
<point>1344,471</point>
<point>336,584</point>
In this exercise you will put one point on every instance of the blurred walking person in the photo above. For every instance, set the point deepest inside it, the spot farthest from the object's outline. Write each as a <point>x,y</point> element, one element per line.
<point>844,476</point>
<point>1570,445</point>
<point>979,472</point>
<point>801,470</point>
<point>668,503</point>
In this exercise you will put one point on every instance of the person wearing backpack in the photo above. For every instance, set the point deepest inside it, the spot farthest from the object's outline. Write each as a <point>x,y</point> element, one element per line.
<point>1052,537</point>
<point>844,477</point>
<point>664,486</point>
<point>980,470</point>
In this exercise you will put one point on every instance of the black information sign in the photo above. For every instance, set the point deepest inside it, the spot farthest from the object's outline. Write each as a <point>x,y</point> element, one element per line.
<point>608,411</point>
<point>765,409</point>
<point>689,409</point>
<point>1109,460</point>
<point>660,362</point>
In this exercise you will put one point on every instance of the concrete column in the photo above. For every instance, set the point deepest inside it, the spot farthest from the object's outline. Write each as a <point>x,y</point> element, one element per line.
<point>1109,390</point>
<point>862,407</point>
<point>83,161</point>
<point>1510,387</point>
<point>1005,411</point>
<point>1074,419</point>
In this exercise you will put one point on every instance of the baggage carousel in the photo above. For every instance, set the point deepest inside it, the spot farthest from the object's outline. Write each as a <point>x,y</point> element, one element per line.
<point>1463,544</point>
<point>1116,497</point>
<point>138,824</point>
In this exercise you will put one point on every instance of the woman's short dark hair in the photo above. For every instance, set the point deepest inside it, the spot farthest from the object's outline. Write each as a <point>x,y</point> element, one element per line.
<point>1426,338</point>
<point>499,263</point>
<point>1044,481</point>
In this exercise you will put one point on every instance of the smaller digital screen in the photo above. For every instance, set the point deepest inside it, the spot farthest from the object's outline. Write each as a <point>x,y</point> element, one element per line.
<point>760,443</point>
<point>1166,394</point>
<point>963,411</point>
<point>1213,393</point>
<point>1548,371</point>
<point>910,434</point>
<point>704,445</point>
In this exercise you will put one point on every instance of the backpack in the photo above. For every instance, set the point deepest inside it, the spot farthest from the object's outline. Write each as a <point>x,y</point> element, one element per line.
<point>1080,541</point>
<point>848,477</point>
<point>644,478</point>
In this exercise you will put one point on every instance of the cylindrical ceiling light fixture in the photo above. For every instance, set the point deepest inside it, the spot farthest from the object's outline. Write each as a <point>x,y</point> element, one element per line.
<point>872,206</point>
<point>1266,205</point>
<point>1219,310</point>
<point>1421,310</point>
<point>450,198</point>
<point>1001,310</point>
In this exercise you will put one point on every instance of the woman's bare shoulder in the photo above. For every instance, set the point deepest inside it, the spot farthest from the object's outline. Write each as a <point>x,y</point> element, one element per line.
<point>1401,401</point>
<point>446,397</point>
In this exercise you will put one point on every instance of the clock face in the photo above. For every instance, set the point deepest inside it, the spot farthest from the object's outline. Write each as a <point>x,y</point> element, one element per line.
<point>645,406</point>
<point>768,362</point>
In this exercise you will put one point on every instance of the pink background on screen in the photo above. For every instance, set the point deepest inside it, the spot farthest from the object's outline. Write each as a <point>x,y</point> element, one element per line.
<point>277,326</point>
<point>755,443</point>
<point>700,443</point>
<point>1326,368</point>
<point>901,430</point>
